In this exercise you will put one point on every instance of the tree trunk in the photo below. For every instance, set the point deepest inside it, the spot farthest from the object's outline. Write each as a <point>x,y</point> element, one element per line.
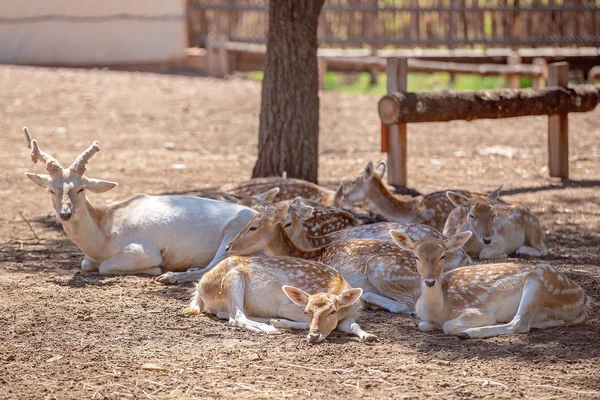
<point>288,137</point>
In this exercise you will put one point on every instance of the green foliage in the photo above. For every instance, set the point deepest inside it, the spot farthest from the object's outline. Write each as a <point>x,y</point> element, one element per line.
<point>360,82</point>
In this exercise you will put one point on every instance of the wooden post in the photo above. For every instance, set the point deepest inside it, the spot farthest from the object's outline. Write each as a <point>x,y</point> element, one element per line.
<point>322,65</point>
<point>513,80</point>
<point>558,126</point>
<point>539,82</point>
<point>397,76</point>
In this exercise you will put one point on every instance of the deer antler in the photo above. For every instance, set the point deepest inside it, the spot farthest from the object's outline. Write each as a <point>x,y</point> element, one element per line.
<point>52,165</point>
<point>79,165</point>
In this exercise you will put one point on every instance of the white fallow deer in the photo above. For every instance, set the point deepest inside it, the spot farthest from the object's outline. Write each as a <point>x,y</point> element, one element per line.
<point>380,231</point>
<point>141,234</point>
<point>498,230</point>
<point>386,274</point>
<point>262,294</point>
<point>431,209</point>
<point>488,300</point>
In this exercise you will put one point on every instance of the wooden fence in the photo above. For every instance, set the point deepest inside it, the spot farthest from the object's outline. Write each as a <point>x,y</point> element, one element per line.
<point>422,23</point>
<point>398,108</point>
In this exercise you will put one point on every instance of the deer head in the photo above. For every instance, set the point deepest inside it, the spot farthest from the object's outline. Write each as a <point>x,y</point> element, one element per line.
<point>261,231</point>
<point>357,189</point>
<point>430,253</point>
<point>261,198</point>
<point>322,309</point>
<point>67,186</point>
<point>479,213</point>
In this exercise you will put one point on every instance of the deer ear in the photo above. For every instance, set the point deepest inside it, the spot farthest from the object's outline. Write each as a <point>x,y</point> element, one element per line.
<point>457,199</point>
<point>369,171</point>
<point>269,195</point>
<point>305,212</point>
<point>349,297</point>
<point>383,165</point>
<point>493,196</point>
<point>298,296</point>
<point>41,180</point>
<point>99,185</point>
<point>403,240</point>
<point>457,241</point>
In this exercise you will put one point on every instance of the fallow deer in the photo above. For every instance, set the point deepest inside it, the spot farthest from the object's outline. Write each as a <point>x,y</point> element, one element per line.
<point>386,274</point>
<point>498,229</point>
<point>488,300</point>
<point>290,188</point>
<point>380,231</point>
<point>254,293</point>
<point>141,234</point>
<point>431,209</point>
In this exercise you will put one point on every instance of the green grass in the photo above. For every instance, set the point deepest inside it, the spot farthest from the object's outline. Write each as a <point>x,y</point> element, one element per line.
<point>360,82</point>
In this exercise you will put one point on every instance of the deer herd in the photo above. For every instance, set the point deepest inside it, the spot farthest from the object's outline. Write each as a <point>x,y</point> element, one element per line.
<point>278,252</point>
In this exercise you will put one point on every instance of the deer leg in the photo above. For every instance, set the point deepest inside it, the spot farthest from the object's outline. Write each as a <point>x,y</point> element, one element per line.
<point>237,316</point>
<point>88,265</point>
<point>493,251</point>
<point>134,259</point>
<point>523,319</point>
<point>388,304</point>
<point>468,319</point>
<point>349,325</point>
<point>426,326</point>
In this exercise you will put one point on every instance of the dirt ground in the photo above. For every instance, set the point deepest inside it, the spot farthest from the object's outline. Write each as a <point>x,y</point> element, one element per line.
<point>65,334</point>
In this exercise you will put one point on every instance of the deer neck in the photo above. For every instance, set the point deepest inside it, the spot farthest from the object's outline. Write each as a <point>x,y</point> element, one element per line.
<point>87,231</point>
<point>282,245</point>
<point>392,207</point>
<point>305,241</point>
<point>431,305</point>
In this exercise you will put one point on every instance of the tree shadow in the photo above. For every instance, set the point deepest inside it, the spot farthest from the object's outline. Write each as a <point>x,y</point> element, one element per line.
<point>564,184</point>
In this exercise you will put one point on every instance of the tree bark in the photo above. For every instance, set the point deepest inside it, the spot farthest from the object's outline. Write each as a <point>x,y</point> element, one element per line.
<point>289,117</point>
<point>404,108</point>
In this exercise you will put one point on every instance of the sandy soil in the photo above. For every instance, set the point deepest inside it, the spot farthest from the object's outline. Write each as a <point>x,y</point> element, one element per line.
<point>70,335</point>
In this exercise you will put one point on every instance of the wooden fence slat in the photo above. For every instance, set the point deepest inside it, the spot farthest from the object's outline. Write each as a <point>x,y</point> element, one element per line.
<point>558,126</point>
<point>397,75</point>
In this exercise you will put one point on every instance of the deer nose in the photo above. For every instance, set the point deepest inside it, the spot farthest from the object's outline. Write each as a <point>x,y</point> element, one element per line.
<point>487,240</point>
<point>430,282</point>
<point>65,215</point>
<point>314,337</point>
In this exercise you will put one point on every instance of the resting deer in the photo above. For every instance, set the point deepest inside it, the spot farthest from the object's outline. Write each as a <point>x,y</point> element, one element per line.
<point>431,209</point>
<point>385,273</point>
<point>379,231</point>
<point>498,229</point>
<point>290,188</point>
<point>319,222</point>
<point>258,287</point>
<point>488,300</point>
<point>141,234</point>
<point>252,201</point>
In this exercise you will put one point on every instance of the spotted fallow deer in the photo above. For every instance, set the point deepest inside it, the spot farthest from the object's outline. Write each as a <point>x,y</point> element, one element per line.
<point>488,300</point>
<point>386,274</point>
<point>263,293</point>
<point>380,231</point>
<point>498,229</point>
<point>290,188</point>
<point>141,234</point>
<point>431,209</point>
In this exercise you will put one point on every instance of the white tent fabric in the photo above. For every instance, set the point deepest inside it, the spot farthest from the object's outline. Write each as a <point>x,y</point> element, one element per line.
<point>91,32</point>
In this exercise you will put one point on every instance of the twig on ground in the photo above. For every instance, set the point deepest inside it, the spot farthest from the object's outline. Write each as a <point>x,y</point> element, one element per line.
<point>29,225</point>
<point>316,369</point>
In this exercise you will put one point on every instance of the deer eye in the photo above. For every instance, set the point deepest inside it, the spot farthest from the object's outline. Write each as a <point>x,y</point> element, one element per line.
<point>252,228</point>
<point>305,312</point>
<point>471,216</point>
<point>51,191</point>
<point>333,312</point>
<point>288,225</point>
<point>442,257</point>
<point>80,190</point>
